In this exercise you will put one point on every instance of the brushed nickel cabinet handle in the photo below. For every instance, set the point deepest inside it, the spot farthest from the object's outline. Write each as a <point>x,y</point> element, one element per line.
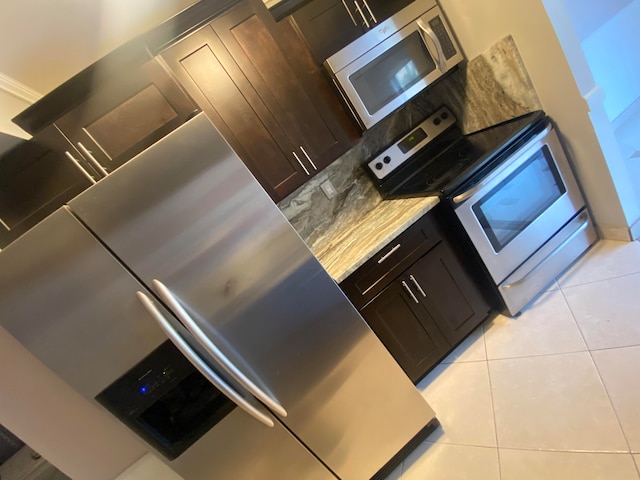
<point>366,23</point>
<point>96,164</point>
<point>301,164</point>
<point>373,17</point>
<point>417,285</point>
<point>406,287</point>
<point>80,167</point>
<point>388,254</point>
<point>308,158</point>
<point>344,3</point>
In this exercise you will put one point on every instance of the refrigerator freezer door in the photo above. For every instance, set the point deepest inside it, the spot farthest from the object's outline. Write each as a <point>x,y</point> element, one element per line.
<point>73,305</point>
<point>188,213</point>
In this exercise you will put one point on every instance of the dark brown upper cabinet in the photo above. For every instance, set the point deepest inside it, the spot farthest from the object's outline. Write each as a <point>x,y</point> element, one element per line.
<point>109,120</point>
<point>330,25</point>
<point>37,177</point>
<point>260,86</point>
<point>122,119</point>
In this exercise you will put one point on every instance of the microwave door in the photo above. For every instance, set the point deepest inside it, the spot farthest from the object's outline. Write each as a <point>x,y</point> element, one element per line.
<point>386,77</point>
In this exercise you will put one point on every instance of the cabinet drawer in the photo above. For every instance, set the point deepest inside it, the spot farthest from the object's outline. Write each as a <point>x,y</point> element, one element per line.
<point>375,274</point>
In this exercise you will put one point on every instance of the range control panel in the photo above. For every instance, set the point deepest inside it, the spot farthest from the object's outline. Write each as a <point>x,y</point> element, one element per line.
<point>398,153</point>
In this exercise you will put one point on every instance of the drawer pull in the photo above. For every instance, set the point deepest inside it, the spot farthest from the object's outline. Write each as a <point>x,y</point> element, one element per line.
<point>415,282</point>
<point>406,287</point>
<point>388,254</point>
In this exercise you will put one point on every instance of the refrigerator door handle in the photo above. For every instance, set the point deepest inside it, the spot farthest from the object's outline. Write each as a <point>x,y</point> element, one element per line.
<point>214,351</point>
<point>200,365</point>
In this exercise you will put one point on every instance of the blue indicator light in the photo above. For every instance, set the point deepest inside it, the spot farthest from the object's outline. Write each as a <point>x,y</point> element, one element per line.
<point>143,390</point>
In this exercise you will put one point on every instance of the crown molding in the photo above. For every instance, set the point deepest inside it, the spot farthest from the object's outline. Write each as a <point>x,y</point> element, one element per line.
<point>18,90</point>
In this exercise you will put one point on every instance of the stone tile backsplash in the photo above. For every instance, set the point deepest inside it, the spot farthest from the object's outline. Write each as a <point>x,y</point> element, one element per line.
<point>488,89</point>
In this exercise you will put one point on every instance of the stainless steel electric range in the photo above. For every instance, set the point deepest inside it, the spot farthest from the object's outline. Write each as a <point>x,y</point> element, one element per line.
<point>511,189</point>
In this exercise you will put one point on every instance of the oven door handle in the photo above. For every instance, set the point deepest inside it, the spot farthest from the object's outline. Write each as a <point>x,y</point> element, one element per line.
<point>469,193</point>
<point>182,345</point>
<point>580,229</point>
<point>442,65</point>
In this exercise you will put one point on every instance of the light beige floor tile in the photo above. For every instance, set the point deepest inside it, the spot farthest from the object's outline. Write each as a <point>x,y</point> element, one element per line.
<point>554,402</point>
<point>439,461</point>
<point>470,350</point>
<point>637,460</point>
<point>532,465</point>
<point>606,259</point>
<point>460,395</point>
<point>608,313</point>
<point>546,327</point>
<point>620,371</point>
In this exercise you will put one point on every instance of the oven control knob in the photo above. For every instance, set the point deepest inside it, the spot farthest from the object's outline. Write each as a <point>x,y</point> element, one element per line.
<point>379,166</point>
<point>387,159</point>
<point>436,121</point>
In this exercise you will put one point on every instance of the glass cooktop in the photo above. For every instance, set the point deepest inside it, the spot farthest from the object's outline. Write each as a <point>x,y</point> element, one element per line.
<point>453,160</point>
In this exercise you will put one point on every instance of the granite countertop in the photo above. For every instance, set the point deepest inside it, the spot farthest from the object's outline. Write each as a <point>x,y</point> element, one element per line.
<point>357,242</point>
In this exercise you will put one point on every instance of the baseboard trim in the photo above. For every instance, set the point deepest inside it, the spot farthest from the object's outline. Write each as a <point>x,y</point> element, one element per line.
<point>18,90</point>
<point>620,233</point>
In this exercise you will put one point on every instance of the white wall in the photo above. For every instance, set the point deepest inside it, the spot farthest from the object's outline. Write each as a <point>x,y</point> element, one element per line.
<point>10,106</point>
<point>76,436</point>
<point>478,25</point>
<point>45,42</point>
<point>588,15</point>
<point>613,53</point>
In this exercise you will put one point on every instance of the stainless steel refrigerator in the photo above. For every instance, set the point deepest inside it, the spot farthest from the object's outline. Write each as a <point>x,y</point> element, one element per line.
<point>175,294</point>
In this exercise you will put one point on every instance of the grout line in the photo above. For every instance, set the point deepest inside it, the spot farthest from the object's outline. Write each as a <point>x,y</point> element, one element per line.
<point>613,407</point>
<point>519,357</point>
<point>637,464</point>
<point>549,450</point>
<point>493,406</point>
<point>615,277</point>
<point>595,365</point>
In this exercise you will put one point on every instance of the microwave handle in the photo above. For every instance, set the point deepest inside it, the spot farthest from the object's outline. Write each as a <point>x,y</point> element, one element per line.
<point>426,28</point>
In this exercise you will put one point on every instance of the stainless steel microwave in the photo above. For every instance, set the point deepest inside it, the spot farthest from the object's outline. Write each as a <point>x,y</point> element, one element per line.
<point>387,66</point>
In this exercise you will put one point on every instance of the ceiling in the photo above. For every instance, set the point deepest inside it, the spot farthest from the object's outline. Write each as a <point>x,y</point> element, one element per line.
<point>45,42</point>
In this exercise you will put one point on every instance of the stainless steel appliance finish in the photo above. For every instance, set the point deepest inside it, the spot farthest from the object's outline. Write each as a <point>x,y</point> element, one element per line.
<point>196,250</point>
<point>522,215</point>
<point>380,71</point>
<point>511,188</point>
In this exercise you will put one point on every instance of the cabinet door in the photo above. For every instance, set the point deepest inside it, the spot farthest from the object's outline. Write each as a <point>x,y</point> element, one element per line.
<point>448,292</point>
<point>119,121</point>
<point>321,16</point>
<point>248,32</point>
<point>211,76</point>
<point>406,329</point>
<point>380,10</point>
<point>36,178</point>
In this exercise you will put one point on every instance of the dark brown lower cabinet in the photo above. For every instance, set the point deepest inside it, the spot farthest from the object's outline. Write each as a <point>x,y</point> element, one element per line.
<point>450,295</point>
<point>422,313</point>
<point>406,329</point>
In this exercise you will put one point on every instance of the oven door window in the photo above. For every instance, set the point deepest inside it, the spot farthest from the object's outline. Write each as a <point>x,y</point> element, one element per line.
<point>394,72</point>
<point>511,206</point>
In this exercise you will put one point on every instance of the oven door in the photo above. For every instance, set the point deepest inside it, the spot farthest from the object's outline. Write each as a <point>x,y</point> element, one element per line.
<point>520,205</point>
<point>392,72</point>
